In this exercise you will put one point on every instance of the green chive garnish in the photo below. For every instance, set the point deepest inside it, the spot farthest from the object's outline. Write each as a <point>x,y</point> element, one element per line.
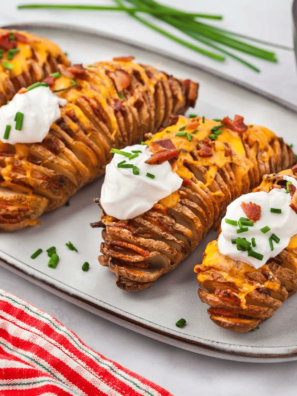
<point>125,166</point>
<point>291,145</point>
<point>64,89</point>
<point>136,170</point>
<point>233,241</point>
<point>53,261</point>
<point>247,223</point>
<point>85,267</point>
<point>33,86</point>
<point>253,242</point>
<point>218,132</point>
<point>203,120</point>
<point>74,82</point>
<point>195,131</point>
<point>50,251</point>
<point>7,132</point>
<point>143,144</point>
<point>271,244</point>
<point>56,75</point>
<point>180,323</point>
<point>181,134</point>
<point>274,210</point>
<point>243,243</point>
<point>254,254</point>
<point>121,163</point>
<point>133,156</point>
<point>7,65</point>
<point>167,131</point>
<point>92,66</point>
<point>1,53</point>
<point>241,248</point>
<point>121,96</point>
<point>213,137</point>
<point>182,128</point>
<point>265,229</point>
<point>11,36</point>
<point>217,119</point>
<point>189,137</point>
<point>231,222</point>
<point>136,151</point>
<point>10,56</point>
<point>243,229</point>
<point>71,246</point>
<point>19,117</point>
<point>36,254</point>
<point>150,176</point>
<point>120,152</point>
<point>193,116</point>
<point>275,238</point>
<point>287,185</point>
<point>256,328</point>
<point>216,128</point>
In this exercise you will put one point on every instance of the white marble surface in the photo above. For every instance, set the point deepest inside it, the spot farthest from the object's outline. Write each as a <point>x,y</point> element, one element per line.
<point>181,372</point>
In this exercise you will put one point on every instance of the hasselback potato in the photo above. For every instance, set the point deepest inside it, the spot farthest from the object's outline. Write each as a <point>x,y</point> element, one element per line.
<point>25,60</point>
<point>240,296</point>
<point>109,105</point>
<point>218,161</point>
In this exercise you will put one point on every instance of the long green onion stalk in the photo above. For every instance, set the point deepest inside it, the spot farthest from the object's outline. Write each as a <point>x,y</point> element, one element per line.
<point>189,24</point>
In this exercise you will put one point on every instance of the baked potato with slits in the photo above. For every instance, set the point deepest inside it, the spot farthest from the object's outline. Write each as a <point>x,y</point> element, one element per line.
<point>240,296</point>
<point>214,173</point>
<point>109,105</point>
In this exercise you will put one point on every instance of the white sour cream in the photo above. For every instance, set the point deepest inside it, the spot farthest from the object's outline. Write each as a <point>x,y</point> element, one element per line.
<point>125,195</point>
<point>40,108</point>
<point>283,225</point>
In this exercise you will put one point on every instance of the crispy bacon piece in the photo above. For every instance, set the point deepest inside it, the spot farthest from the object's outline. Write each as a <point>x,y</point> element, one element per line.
<point>76,69</point>
<point>228,152</point>
<point>166,143</point>
<point>138,103</point>
<point>5,43</point>
<point>186,182</point>
<point>292,189</point>
<point>236,125</point>
<point>191,89</point>
<point>227,294</point>
<point>208,142</point>
<point>23,39</point>
<point>221,312</point>
<point>50,80</point>
<point>252,211</point>
<point>294,169</point>
<point>130,246</point>
<point>162,156</point>
<point>65,71</point>
<point>121,79</point>
<point>118,106</point>
<point>205,152</point>
<point>124,58</point>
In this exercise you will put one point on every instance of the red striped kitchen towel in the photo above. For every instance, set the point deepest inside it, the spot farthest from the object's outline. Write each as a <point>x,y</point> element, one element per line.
<point>40,356</point>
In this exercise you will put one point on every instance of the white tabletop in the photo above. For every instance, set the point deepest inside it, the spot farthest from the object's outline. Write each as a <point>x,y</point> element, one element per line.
<point>180,372</point>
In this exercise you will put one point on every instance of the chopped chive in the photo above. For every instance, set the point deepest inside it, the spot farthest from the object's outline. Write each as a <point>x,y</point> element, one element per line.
<point>92,66</point>
<point>136,151</point>
<point>247,223</point>
<point>244,219</point>
<point>182,128</point>
<point>133,156</point>
<point>239,223</point>
<point>231,222</point>
<point>287,185</point>
<point>216,128</point>
<point>85,267</point>
<point>291,145</point>
<point>1,53</point>
<point>71,246</point>
<point>36,254</point>
<point>251,126</point>
<point>19,118</point>
<point>121,163</point>
<point>218,132</point>
<point>243,243</point>
<point>212,137</point>
<point>74,82</point>
<point>120,152</point>
<point>253,242</point>
<point>181,134</point>
<point>51,248</point>
<point>13,50</point>
<point>275,238</point>
<point>150,138</point>
<point>136,170</point>
<point>10,56</point>
<point>64,89</point>
<point>121,96</point>
<point>241,248</point>
<point>195,131</point>
<point>7,65</point>
<point>51,251</point>
<point>274,210</point>
<point>7,132</point>
<point>193,116</point>
<point>265,229</point>
<point>167,131</point>
<point>126,166</point>
<point>252,253</point>
<point>180,323</point>
<point>256,328</point>
<point>189,137</point>
<point>217,119</point>
<point>67,203</point>
<point>150,175</point>
<point>233,241</point>
<point>203,120</point>
<point>11,36</point>
<point>56,75</point>
<point>53,261</point>
<point>33,86</point>
<point>271,244</point>
<point>44,84</point>
<point>66,53</point>
<point>143,144</point>
<point>243,229</point>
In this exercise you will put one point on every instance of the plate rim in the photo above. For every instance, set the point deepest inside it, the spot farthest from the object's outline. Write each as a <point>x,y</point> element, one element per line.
<point>216,350</point>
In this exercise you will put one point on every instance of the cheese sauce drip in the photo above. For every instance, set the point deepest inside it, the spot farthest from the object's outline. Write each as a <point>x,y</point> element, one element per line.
<point>40,108</point>
<point>125,195</point>
<point>283,225</point>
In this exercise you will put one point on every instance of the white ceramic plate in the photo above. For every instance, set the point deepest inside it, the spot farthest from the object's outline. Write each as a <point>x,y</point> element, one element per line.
<point>154,311</point>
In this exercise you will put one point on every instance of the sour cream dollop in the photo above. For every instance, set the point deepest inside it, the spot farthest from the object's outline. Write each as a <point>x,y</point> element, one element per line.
<point>40,108</point>
<point>125,195</point>
<point>283,225</point>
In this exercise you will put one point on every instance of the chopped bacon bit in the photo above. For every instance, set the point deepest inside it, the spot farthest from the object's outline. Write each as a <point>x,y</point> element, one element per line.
<point>23,39</point>
<point>208,142</point>
<point>294,169</point>
<point>23,90</point>
<point>127,245</point>
<point>236,125</point>
<point>162,156</point>
<point>229,294</point>
<point>221,312</point>
<point>252,211</point>
<point>76,69</point>
<point>274,186</point>
<point>173,119</point>
<point>4,33</point>
<point>292,189</point>
<point>191,89</point>
<point>121,79</point>
<point>166,143</point>
<point>5,43</point>
<point>118,106</point>
<point>205,152</point>
<point>65,72</point>
<point>6,155</point>
<point>193,125</point>
<point>124,59</point>
<point>149,73</point>
<point>50,80</point>
<point>186,182</point>
<point>228,152</point>
<point>138,103</point>
<point>161,129</point>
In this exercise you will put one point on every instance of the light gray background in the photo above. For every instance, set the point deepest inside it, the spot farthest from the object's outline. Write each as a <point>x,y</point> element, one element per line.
<point>181,372</point>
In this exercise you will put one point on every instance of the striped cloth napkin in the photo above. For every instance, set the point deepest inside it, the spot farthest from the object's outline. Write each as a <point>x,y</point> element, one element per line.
<point>40,356</point>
